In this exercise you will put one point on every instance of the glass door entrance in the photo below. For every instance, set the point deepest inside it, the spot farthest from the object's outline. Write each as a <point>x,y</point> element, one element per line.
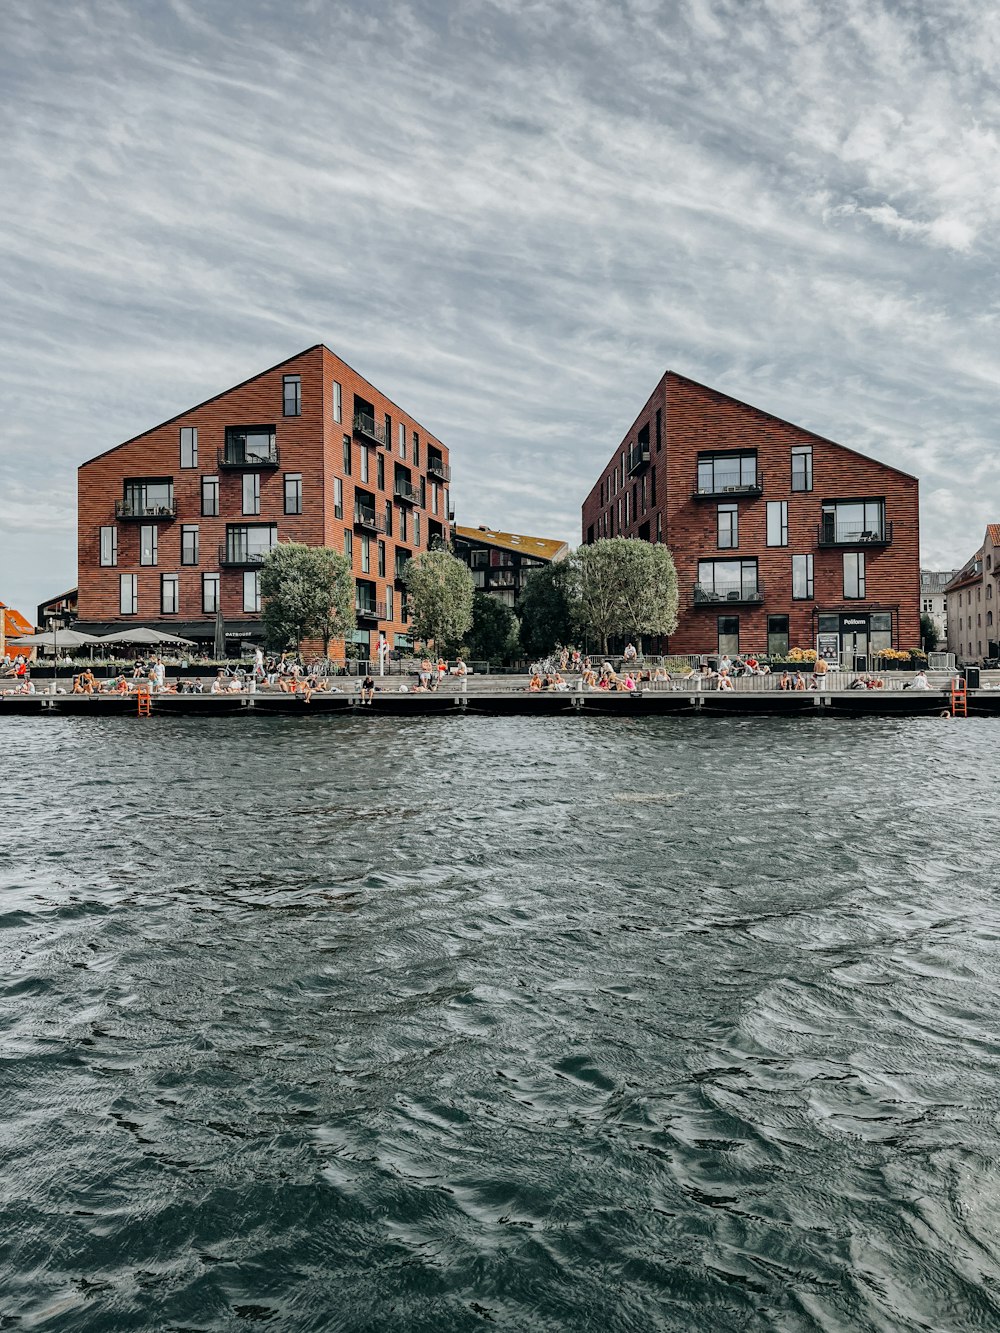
<point>854,644</point>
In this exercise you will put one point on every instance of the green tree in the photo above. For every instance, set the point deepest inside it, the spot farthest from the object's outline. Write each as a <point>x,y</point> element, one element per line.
<point>928,633</point>
<point>625,586</point>
<point>440,588</point>
<point>306,592</point>
<point>546,609</point>
<point>493,635</point>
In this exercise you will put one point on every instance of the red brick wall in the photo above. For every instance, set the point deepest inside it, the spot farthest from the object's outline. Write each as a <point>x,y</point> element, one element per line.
<point>696,418</point>
<point>310,444</point>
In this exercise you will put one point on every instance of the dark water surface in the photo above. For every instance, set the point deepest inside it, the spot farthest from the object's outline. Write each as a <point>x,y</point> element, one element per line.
<point>549,1024</point>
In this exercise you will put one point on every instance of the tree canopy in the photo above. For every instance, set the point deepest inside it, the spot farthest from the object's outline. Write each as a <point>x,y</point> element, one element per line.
<point>440,588</point>
<point>625,586</point>
<point>545,608</point>
<point>306,592</point>
<point>493,635</point>
<point>928,632</point>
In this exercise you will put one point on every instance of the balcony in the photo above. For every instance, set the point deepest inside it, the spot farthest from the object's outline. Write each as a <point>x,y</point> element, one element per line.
<point>237,456</point>
<point>234,556</point>
<point>367,428</point>
<point>849,534</point>
<point>370,610</point>
<point>406,491</point>
<point>368,519</point>
<point>636,458</point>
<point>436,467</point>
<point>727,594</point>
<point>134,511</point>
<point>728,486</point>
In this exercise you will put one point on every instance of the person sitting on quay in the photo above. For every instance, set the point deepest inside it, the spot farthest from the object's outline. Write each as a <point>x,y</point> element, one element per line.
<point>660,676</point>
<point>629,683</point>
<point>800,681</point>
<point>459,669</point>
<point>367,690</point>
<point>630,654</point>
<point>588,678</point>
<point>535,684</point>
<point>219,685</point>
<point>725,682</point>
<point>920,681</point>
<point>785,682</point>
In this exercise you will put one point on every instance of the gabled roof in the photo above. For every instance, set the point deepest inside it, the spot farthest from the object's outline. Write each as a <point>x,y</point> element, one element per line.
<point>541,548</point>
<point>993,533</point>
<point>970,573</point>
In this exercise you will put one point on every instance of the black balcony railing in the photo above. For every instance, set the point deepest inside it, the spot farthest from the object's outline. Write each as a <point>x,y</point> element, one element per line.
<point>436,467</point>
<point>637,458</point>
<point>727,594</point>
<point>853,534</point>
<point>371,430</point>
<point>249,460</point>
<point>405,490</point>
<point>232,555</point>
<point>369,519</point>
<point>370,610</point>
<point>728,486</point>
<point>136,511</point>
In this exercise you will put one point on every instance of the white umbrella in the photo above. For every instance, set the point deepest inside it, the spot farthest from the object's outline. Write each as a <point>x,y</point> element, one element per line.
<point>140,634</point>
<point>66,638</point>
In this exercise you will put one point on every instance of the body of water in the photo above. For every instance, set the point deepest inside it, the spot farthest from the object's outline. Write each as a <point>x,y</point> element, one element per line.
<point>538,1024</point>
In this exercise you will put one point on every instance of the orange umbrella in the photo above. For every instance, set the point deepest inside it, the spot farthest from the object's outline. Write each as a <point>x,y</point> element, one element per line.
<point>14,624</point>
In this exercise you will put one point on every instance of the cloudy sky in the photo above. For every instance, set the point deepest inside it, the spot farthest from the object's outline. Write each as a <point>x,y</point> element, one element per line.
<point>512,216</point>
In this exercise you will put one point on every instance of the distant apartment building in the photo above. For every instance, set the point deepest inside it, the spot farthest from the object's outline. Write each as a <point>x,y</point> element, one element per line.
<point>174,524</point>
<point>64,607</point>
<point>501,562</point>
<point>971,597</point>
<point>778,534</point>
<point>933,602</point>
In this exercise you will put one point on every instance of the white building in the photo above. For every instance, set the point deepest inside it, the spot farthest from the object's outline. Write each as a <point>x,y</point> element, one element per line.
<point>973,601</point>
<point>933,602</point>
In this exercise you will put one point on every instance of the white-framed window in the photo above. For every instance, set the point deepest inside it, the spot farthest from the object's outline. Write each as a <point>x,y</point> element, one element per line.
<point>128,600</point>
<point>777,522</point>
<point>169,594</point>
<point>148,544</point>
<point>189,446</point>
<point>402,440</point>
<point>251,492</point>
<point>854,574</point>
<point>338,498</point>
<point>337,402</point>
<point>109,546</point>
<point>434,496</point>
<point>209,594</point>
<point>365,463</point>
<point>251,590</point>
<point>802,577</point>
<point>388,602</point>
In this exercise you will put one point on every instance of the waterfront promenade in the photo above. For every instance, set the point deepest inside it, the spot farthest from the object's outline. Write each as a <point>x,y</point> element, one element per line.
<point>507,695</point>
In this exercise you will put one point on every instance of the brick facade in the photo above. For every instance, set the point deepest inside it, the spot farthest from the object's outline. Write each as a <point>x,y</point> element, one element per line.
<point>310,445</point>
<point>648,490</point>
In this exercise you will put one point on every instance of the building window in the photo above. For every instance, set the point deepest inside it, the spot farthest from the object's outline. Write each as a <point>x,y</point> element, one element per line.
<point>881,632</point>
<point>854,574</point>
<point>402,524</point>
<point>365,463</point>
<point>729,635</point>
<point>209,594</point>
<point>388,518</point>
<point>251,492</point>
<point>147,545</point>
<point>659,528</point>
<point>802,468</point>
<point>402,439</point>
<point>293,492</point>
<point>338,498</point>
<point>189,446</point>
<point>168,594</point>
<point>251,590</point>
<point>434,496</point>
<point>291,403</point>
<point>777,636</point>
<point>726,580</point>
<point>349,544</point>
<point>802,577</point>
<point>729,527</point>
<point>347,455</point>
<point>109,546</point>
<point>189,545</point>
<point>659,430</point>
<point>726,472</point>
<point>777,522</point>
<point>854,521</point>
<point>389,598</point>
<point>338,406</point>
<point>210,497</point>
<point>416,529</point>
<point>249,542</point>
<point>381,560</point>
<point>366,554</point>
<point>149,499</point>
<point>128,601</point>
<point>380,471</point>
<point>416,449</point>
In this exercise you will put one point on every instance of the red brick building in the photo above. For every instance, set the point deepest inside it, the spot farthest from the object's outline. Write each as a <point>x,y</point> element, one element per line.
<point>174,523</point>
<point>779,535</point>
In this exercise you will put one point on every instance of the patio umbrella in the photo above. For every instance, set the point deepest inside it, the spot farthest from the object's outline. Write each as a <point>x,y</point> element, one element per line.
<point>65,638</point>
<point>219,647</point>
<point>140,634</point>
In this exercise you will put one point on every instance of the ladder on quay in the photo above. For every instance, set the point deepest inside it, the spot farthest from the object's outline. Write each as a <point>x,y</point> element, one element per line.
<point>959,697</point>
<point>143,700</point>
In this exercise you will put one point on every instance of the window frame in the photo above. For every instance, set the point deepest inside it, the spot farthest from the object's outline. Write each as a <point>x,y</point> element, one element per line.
<point>112,547</point>
<point>291,383</point>
<point>191,443</point>
<point>254,599</point>
<point>131,581</point>
<point>293,479</point>
<point>858,581</point>
<point>170,581</point>
<point>338,401</point>
<point>209,579</point>
<point>149,544</point>
<point>210,492</point>
<point>187,529</point>
<point>810,579</point>
<point>781,507</point>
<point>251,484</point>
<point>805,452</point>
<point>731,530</point>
